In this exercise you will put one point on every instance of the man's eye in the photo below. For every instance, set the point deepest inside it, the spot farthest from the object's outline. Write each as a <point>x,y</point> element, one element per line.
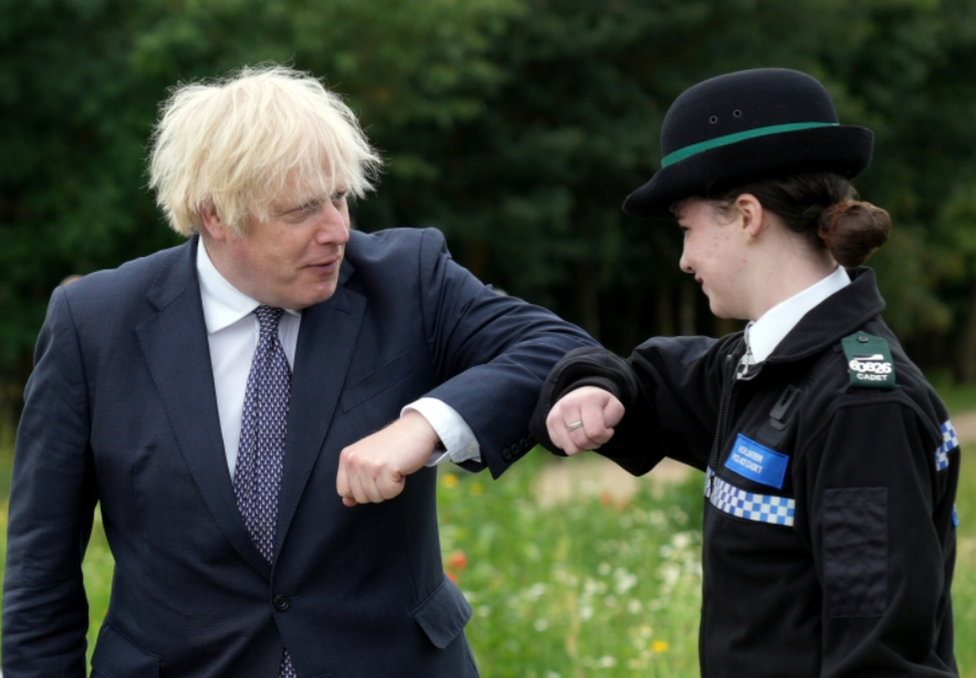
<point>339,196</point>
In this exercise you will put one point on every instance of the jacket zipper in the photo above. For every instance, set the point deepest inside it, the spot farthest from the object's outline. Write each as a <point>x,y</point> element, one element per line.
<point>718,444</point>
<point>721,430</point>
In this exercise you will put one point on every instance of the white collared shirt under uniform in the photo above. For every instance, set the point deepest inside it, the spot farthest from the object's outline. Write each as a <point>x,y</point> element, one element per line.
<point>764,335</point>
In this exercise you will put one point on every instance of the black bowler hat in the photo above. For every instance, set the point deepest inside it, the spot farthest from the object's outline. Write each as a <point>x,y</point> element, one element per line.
<point>746,126</point>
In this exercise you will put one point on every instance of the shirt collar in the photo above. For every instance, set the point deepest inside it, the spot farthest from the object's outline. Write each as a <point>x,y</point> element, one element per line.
<point>223,304</point>
<point>766,333</point>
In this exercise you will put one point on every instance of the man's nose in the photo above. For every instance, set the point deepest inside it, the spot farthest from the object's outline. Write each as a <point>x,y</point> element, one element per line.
<point>333,227</point>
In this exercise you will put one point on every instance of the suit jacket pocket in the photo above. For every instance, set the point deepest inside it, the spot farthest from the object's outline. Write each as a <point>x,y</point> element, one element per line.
<point>116,657</point>
<point>381,379</point>
<point>444,614</point>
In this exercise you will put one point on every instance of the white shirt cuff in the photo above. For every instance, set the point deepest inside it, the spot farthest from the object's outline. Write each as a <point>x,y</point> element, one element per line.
<point>455,434</point>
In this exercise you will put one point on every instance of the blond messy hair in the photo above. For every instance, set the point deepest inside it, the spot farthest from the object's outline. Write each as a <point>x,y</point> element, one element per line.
<point>236,144</point>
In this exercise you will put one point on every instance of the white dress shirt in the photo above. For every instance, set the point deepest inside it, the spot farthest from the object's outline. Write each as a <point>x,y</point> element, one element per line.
<point>765,334</point>
<point>232,332</point>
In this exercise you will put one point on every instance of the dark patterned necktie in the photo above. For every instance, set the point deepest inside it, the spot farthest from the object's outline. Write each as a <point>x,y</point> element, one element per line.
<point>260,457</point>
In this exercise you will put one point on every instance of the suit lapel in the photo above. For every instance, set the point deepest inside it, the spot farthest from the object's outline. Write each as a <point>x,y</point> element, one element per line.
<point>326,342</point>
<point>175,345</point>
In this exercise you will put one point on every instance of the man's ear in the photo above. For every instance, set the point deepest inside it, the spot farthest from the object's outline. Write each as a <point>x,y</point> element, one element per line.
<point>213,225</point>
<point>752,214</point>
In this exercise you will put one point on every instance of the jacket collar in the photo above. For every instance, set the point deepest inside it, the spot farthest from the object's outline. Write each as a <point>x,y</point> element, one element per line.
<point>841,314</point>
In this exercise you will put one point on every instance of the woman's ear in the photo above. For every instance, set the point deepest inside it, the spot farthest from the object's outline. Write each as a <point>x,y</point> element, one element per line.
<point>752,214</point>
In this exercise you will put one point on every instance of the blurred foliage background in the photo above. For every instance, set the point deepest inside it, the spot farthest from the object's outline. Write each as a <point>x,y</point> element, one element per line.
<point>516,126</point>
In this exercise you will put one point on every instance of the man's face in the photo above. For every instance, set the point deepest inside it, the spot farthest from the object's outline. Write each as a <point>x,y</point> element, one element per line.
<point>290,259</point>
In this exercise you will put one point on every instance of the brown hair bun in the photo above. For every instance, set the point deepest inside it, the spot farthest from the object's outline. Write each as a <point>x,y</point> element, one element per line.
<point>853,230</point>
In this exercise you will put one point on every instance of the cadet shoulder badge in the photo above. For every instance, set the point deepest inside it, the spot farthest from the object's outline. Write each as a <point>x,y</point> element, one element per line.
<point>869,361</point>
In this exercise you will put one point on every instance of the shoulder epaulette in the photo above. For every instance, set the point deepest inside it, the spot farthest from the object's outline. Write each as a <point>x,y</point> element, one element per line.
<point>869,361</point>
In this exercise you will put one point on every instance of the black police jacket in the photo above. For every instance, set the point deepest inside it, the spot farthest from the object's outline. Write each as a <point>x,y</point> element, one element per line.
<point>829,527</point>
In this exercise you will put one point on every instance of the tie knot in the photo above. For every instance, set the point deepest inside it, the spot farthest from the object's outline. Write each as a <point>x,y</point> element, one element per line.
<point>268,317</point>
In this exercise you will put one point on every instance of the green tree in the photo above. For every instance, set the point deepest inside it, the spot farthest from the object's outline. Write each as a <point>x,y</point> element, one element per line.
<point>516,126</point>
<point>75,120</point>
<point>80,82</point>
<point>530,191</point>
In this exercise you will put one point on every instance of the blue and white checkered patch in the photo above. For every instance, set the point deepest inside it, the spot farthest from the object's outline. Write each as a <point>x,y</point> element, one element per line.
<point>763,508</point>
<point>950,441</point>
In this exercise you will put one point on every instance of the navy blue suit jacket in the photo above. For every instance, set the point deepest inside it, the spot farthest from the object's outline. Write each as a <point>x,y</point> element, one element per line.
<point>121,410</point>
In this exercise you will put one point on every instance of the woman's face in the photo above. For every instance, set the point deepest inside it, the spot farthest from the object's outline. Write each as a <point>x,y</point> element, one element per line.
<point>715,253</point>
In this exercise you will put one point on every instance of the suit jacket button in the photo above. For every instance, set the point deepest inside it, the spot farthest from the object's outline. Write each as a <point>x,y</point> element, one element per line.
<point>282,602</point>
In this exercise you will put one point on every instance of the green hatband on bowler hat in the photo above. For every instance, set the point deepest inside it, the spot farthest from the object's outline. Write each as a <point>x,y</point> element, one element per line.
<point>746,126</point>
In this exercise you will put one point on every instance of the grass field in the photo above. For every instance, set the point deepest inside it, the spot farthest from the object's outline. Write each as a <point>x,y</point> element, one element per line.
<point>595,587</point>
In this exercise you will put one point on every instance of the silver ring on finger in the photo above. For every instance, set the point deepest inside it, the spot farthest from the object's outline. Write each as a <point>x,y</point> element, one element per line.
<point>573,427</point>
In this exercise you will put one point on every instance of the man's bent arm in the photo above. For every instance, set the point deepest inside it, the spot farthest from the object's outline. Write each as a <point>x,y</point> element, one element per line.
<point>492,352</point>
